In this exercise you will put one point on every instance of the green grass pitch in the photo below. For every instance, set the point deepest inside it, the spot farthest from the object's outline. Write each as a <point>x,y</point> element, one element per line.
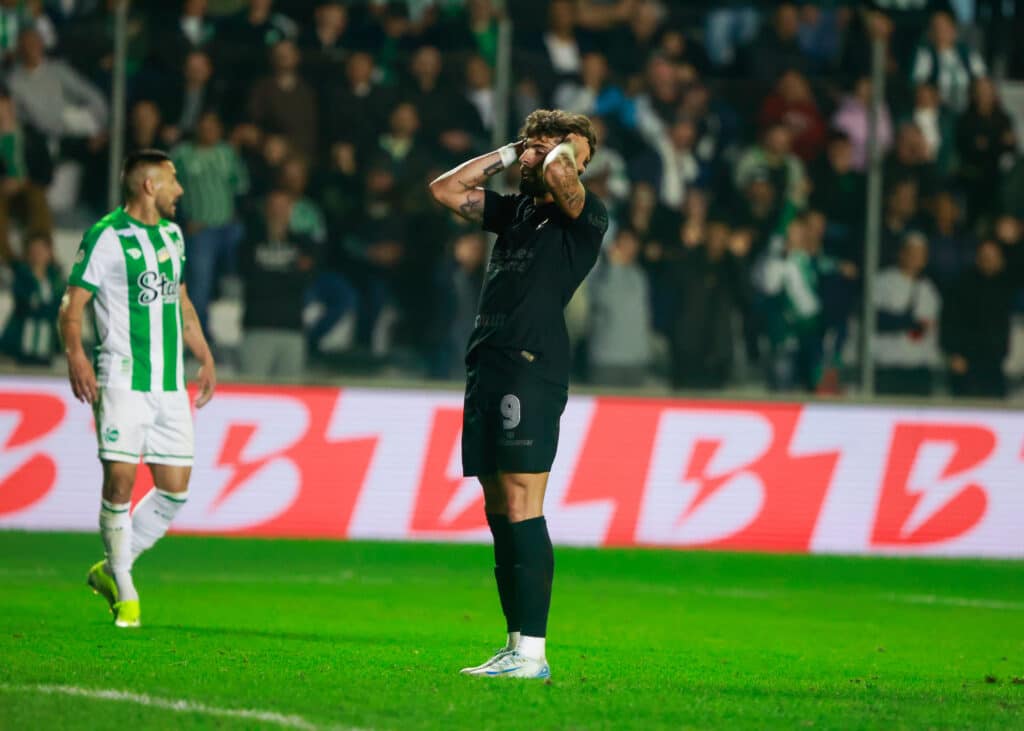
<point>252,634</point>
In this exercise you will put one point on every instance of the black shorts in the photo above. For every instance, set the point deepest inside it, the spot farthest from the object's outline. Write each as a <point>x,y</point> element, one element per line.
<point>510,417</point>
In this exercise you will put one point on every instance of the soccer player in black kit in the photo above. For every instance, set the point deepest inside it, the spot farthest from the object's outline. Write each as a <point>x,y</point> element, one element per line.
<point>517,360</point>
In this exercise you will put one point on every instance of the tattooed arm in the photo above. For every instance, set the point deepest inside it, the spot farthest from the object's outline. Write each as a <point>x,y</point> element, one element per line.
<point>192,334</point>
<point>562,174</point>
<point>460,188</point>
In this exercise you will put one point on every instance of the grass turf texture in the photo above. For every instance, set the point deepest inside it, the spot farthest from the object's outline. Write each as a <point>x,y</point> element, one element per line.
<point>372,635</point>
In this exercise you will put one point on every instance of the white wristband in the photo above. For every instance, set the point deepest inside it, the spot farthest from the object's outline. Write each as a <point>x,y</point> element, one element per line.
<point>508,155</point>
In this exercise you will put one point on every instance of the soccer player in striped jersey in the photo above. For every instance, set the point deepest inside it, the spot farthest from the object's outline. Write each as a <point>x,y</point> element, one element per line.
<point>131,265</point>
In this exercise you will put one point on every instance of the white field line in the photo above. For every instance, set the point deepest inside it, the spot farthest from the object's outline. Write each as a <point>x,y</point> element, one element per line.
<point>14,573</point>
<point>177,706</point>
<point>350,577</point>
<point>729,592</point>
<point>954,601</point>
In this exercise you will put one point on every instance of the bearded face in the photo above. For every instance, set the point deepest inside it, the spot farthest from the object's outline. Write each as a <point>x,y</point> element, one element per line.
<point>531,181</point>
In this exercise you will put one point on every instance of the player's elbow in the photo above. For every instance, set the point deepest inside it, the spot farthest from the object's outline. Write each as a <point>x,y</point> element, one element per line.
<point>440,191</point>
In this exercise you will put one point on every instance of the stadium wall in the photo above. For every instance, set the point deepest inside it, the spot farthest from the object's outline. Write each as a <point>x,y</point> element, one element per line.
<point>384,464</point>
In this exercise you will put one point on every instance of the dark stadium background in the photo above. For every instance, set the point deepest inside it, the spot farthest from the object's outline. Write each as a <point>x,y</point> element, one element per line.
<point>373,99</point>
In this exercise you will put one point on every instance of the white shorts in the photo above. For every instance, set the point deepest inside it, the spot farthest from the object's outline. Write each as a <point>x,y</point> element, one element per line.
<point>154,426</point>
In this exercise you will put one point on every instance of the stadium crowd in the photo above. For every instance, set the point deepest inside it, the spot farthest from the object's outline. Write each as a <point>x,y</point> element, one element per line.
<point>733,159</point>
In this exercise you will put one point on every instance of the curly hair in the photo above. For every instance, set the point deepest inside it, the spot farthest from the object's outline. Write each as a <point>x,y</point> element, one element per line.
<point>558,123</point>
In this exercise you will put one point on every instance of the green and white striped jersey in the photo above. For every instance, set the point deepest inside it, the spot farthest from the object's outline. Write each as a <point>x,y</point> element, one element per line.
<point>134,272</point>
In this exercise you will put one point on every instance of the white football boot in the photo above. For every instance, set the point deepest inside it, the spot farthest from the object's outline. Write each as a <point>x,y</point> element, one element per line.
<point>481,669</point>
<point>514,665</point>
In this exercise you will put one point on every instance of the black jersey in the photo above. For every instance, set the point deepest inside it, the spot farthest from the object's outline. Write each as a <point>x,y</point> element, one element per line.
<point>538,261</point>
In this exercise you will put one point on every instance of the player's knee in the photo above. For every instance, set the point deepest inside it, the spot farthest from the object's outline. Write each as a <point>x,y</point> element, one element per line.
<point>524,494</point>
<point>516,494</point>
<point>118,488</point>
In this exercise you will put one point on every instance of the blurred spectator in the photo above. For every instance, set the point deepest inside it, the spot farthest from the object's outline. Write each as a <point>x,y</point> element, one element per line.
<point>652,222</point>
<point>194,91</point>
<point>661,95</point>
<point>838,286</point>
<point>307,218</point>
<point>213,177</point>
<point>30,336</point>
<point>399,36</point>
<point>856,58</point>
<point>447,118</point>
<point>339,188</point>
<point>1011,196</point>
<point>326,42</point>
<point>475,30</point>
<point>686,55</point>
<point>760,210</point>
<point>339,194</point>
<point>53,97</point>
<point>606,172</point>
<point>901,216</point>
<point>777,48</point>
<point>594,93</point>
<point>947,63</point>
<point>678,167</point>
<point>285,103</point>
<point>951,246</point>
<point>838,274</point>
<point>88,44</point>
<point>821,31</point>
<point>937,125</point>
<point>480,91</point>
<point>793,104</point>
<point>788,282</point>
<point>730,25</point>
<point>358,109</point>
<point>376,248</point>
<point>910,160</point>
<point>277,266</point>
<point>773,158</point>
<point>840,194</point>
<point>853,120</point>
<point>25,170</point>
<point>906,22</point>
<point>144,127</point>
<point>244,40</point>
<point>469,265</point>
<point>560,43</point>
<point>906,342</point>
<point>257,27</point>
<point>986,144</point>
<point>620,315</point>
<point>633,42</point>
<point>604,15</point>
<point>399,145</point>
<point>192,30</point>
<point>717,132</point>
<point>194,25</point>
<point>1008,231</point>
<point>263,156</point>
<point>709,279</point>
<point>976,325</point>
<point>16,15</point>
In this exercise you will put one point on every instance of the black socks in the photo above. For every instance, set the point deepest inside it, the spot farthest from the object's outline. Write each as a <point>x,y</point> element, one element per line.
<point>504,568</point>
<point>534,571</point>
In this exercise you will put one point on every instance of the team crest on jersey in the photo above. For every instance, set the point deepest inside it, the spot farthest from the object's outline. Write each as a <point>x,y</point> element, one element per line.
<point>111,434</point>
<point>163,255</point>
